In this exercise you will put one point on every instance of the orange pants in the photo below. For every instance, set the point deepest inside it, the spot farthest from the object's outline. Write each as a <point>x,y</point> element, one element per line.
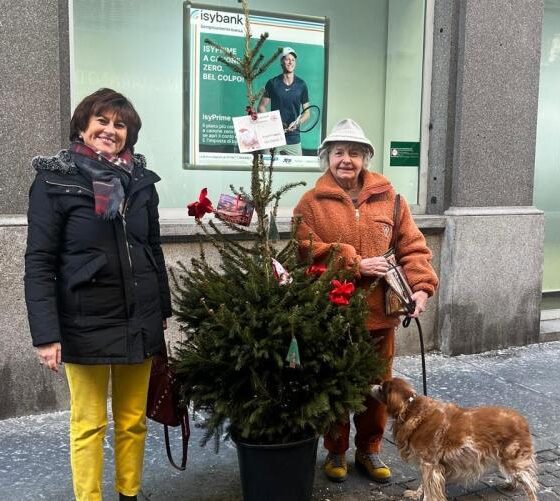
<point>370,424</point>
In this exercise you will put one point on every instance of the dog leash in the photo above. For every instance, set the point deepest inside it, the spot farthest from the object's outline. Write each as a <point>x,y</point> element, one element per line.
<point>405,324</point>
<point>407,300</point>
<point>410,305</point>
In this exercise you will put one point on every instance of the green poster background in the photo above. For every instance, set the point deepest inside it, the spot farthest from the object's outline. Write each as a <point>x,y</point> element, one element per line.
<point>223,93</point>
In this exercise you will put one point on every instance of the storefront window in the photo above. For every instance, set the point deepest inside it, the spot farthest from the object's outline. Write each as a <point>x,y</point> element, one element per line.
<point>547,158</point>
<point>372,69</point>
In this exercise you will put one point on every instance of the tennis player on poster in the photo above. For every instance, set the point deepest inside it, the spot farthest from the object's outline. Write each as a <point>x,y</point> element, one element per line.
<point>288,94</point>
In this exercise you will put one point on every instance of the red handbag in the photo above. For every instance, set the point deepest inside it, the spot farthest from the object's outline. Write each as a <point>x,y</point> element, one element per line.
<point>162,405</point>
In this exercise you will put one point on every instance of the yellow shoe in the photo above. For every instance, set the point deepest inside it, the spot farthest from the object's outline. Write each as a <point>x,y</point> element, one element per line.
<point>372,466</point>
<point>335,467</point>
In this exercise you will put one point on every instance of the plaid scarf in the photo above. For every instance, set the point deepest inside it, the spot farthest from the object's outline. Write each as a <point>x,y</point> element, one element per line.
<point>110,176</point>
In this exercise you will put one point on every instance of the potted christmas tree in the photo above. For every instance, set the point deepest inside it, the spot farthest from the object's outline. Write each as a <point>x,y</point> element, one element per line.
<point>274,349</point>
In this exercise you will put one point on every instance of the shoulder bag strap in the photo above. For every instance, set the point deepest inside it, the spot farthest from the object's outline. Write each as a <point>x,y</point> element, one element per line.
<point>396,218</point>
<point>185,433</point>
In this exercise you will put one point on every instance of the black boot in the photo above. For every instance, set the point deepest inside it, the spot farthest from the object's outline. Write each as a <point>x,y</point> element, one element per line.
<point>122,497</point>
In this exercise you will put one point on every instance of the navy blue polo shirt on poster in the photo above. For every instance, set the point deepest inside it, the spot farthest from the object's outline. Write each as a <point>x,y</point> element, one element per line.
<point>288,99</point>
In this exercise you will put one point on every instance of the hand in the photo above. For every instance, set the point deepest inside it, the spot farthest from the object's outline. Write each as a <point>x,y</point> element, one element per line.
<point>50,355</point>
<point>374,266</point>
<point>421,299</point>
<point>293,126</point>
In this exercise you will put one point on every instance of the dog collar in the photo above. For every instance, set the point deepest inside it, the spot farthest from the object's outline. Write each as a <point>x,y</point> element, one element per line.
<point>404,410</point>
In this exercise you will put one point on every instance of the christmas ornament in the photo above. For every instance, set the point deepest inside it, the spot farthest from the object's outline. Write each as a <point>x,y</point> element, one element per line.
<point>341,292</point>
<point>280,273</point>
<point>293,354</point>
<point>234,209</point>
<point>203,206</point>
<point>251,112</point>
<point>316,269</point>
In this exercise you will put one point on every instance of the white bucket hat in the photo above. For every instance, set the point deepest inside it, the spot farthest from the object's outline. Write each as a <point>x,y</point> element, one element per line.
<point>286,51</point>
<point>347,131</point>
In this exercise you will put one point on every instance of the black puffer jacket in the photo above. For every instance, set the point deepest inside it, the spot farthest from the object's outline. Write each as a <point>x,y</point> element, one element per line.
<point>97,286</point>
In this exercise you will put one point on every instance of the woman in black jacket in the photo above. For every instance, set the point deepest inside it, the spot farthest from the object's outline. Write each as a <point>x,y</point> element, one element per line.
<point>96,287</point>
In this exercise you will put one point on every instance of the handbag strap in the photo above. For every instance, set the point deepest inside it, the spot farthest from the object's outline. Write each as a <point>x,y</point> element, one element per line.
<point>185,434</point>
<point>396,220</point>
<point>163,353</point>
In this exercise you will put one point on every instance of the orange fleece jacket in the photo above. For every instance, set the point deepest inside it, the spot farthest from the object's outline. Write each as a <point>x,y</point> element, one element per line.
<point>329,219</point>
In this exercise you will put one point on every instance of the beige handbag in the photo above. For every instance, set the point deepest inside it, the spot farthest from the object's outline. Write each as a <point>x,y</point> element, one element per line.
<point>398,296</point>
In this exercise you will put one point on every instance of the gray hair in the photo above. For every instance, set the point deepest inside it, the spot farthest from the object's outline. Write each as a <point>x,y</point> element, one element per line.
<point>325,151</point>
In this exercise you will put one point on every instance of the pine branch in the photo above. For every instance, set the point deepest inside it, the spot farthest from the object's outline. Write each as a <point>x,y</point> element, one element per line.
<point>240,192</point>
<point>280,193</point>
<point>224,238</point>
<point>265,66</point>
<point>288,254</point>
<point>227,52</point>
<point>257,61</point>
<point>258,46</point>
<point>236,68</point>
<point>238,228</point>
<point>271,168</point>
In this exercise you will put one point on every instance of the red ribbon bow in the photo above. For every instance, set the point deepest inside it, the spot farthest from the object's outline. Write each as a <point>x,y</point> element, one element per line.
<point>341,292</point>
<point>316,269</point>
<point>251,112</point>
<point>203,206</point>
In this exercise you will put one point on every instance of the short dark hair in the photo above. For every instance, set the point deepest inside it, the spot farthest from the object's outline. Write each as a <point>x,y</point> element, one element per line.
<point>100,101</point>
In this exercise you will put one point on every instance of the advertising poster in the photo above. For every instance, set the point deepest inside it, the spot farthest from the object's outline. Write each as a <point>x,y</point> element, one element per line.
<point>214,94</point>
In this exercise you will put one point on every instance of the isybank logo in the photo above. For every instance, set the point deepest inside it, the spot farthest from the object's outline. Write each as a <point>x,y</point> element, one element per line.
<point>213,17</point>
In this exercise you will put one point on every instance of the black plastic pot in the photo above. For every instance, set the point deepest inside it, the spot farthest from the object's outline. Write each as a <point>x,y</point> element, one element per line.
<point>279,472</point>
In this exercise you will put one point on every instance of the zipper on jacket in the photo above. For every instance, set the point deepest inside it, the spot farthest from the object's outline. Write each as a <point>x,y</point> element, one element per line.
<point>69,186</point>
<point>357,213</point>
<point>126,242</point>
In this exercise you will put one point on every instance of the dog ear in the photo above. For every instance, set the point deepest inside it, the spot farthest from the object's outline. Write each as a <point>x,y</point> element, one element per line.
<point>393,398</point>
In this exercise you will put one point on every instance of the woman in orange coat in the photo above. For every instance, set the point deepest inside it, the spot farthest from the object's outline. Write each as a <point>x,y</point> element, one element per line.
<point>351,209</point>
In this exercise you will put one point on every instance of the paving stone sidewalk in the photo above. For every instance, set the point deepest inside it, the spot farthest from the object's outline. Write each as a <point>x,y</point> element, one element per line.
<point>34,449</point>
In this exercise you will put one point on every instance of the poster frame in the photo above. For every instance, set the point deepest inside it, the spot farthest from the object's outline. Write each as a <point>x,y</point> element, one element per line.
<point>187,91</point>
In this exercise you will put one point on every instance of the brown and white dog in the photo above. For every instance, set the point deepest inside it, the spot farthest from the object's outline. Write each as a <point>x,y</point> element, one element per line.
<point>455,444</point>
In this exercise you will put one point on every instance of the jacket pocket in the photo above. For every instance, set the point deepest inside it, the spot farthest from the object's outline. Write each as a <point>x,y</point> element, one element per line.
<point>87,271</point>
<point>380,230</point>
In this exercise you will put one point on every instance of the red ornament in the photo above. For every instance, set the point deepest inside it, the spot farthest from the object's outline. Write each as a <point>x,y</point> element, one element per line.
<point>203,206</point>
<point>316,269</point>
<point>251,112</point>
<point>341,292</point>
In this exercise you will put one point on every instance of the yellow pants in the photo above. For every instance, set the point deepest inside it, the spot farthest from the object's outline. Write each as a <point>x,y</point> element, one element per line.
<point>88,423</point>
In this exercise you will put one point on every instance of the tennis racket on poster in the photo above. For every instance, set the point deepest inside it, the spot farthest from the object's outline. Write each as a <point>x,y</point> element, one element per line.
<point>306,120</point>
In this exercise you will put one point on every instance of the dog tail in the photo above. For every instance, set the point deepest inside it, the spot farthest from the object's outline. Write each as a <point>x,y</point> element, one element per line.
<point>525,477</point>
